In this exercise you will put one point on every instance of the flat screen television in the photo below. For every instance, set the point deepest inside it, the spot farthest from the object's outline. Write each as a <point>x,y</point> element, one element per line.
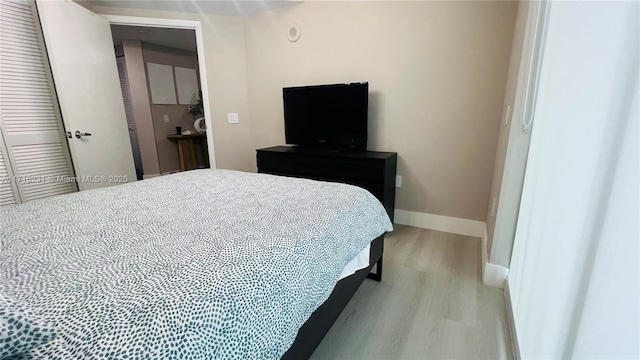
<point>327,116</point>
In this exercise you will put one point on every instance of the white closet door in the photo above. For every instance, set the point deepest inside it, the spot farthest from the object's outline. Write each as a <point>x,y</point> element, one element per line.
<point>8,192</point>
<point>35,145</point>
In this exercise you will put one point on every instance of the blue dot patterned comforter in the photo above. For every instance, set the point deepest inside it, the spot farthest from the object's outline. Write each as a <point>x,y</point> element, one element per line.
<point>200,265</point>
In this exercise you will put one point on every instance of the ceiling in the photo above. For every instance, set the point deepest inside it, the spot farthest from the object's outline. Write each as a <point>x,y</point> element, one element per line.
<point>183,39</point>
<point>215,7</point>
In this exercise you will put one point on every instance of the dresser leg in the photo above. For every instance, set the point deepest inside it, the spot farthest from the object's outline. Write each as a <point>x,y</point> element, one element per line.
<point>377,276</point>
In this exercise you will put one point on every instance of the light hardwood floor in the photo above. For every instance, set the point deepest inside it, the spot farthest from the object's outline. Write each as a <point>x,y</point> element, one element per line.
<point>431,304</point>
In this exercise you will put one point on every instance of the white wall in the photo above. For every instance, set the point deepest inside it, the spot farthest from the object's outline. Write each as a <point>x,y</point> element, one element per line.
<point>608,327</point>
<point>574,277</point>
<point>513,145</point>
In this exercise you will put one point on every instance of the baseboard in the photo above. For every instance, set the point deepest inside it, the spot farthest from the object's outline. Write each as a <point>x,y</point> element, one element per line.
<point>484,250</point>
<point>492,274</point>
<point>440,223</point>
<point>515,345</point>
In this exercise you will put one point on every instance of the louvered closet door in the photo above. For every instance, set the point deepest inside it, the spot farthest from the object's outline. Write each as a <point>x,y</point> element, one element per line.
<point>8,190</point>
<point>34,143</point>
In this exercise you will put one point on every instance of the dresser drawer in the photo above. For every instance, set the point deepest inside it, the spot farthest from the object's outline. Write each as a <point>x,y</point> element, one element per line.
<point>322,167</point>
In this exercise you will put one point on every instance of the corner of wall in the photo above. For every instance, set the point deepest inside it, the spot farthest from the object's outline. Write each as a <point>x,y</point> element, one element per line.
<point>492,274</point>
<point>254,165</point>
<point>485,252</point>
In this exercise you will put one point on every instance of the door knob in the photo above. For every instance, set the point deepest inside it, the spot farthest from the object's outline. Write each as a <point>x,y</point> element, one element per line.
<point>79,134</point>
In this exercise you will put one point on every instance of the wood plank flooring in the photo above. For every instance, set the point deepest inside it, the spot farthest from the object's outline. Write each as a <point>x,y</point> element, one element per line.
<point>431,304</point>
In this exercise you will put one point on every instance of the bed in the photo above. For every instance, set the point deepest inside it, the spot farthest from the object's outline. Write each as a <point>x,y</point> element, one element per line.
<point>200,264</point>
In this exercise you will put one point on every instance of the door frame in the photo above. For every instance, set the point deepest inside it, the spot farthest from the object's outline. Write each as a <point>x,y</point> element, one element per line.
<point>202,68</point>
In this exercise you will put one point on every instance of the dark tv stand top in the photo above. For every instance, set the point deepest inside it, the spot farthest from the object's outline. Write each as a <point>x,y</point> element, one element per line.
<point>311,150</point>
<point>347,153</point>
<point>371,170</point>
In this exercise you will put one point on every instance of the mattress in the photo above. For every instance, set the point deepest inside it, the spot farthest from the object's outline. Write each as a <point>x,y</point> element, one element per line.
<point>201,264</point>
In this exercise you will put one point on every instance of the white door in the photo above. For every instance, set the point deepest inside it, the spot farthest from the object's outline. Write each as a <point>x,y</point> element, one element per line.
<point>85,73</point>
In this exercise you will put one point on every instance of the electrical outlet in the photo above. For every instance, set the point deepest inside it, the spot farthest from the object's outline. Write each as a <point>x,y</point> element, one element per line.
<point>166,118</point>
<point>398,181</point>
<point>232,118</point>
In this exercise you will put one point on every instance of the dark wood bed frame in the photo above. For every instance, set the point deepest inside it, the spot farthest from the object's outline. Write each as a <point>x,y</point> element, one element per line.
<point>371,170</point>
<point>316,327</point>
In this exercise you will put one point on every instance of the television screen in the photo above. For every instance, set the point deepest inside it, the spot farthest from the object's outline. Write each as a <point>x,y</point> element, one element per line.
<point>327,116</point>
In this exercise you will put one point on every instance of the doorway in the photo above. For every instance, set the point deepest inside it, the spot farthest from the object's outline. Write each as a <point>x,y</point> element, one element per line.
<point>165,93</point>
<point>158,69</point>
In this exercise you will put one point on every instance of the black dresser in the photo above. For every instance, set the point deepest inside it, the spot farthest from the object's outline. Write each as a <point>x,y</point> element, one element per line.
<point>372,170</point>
